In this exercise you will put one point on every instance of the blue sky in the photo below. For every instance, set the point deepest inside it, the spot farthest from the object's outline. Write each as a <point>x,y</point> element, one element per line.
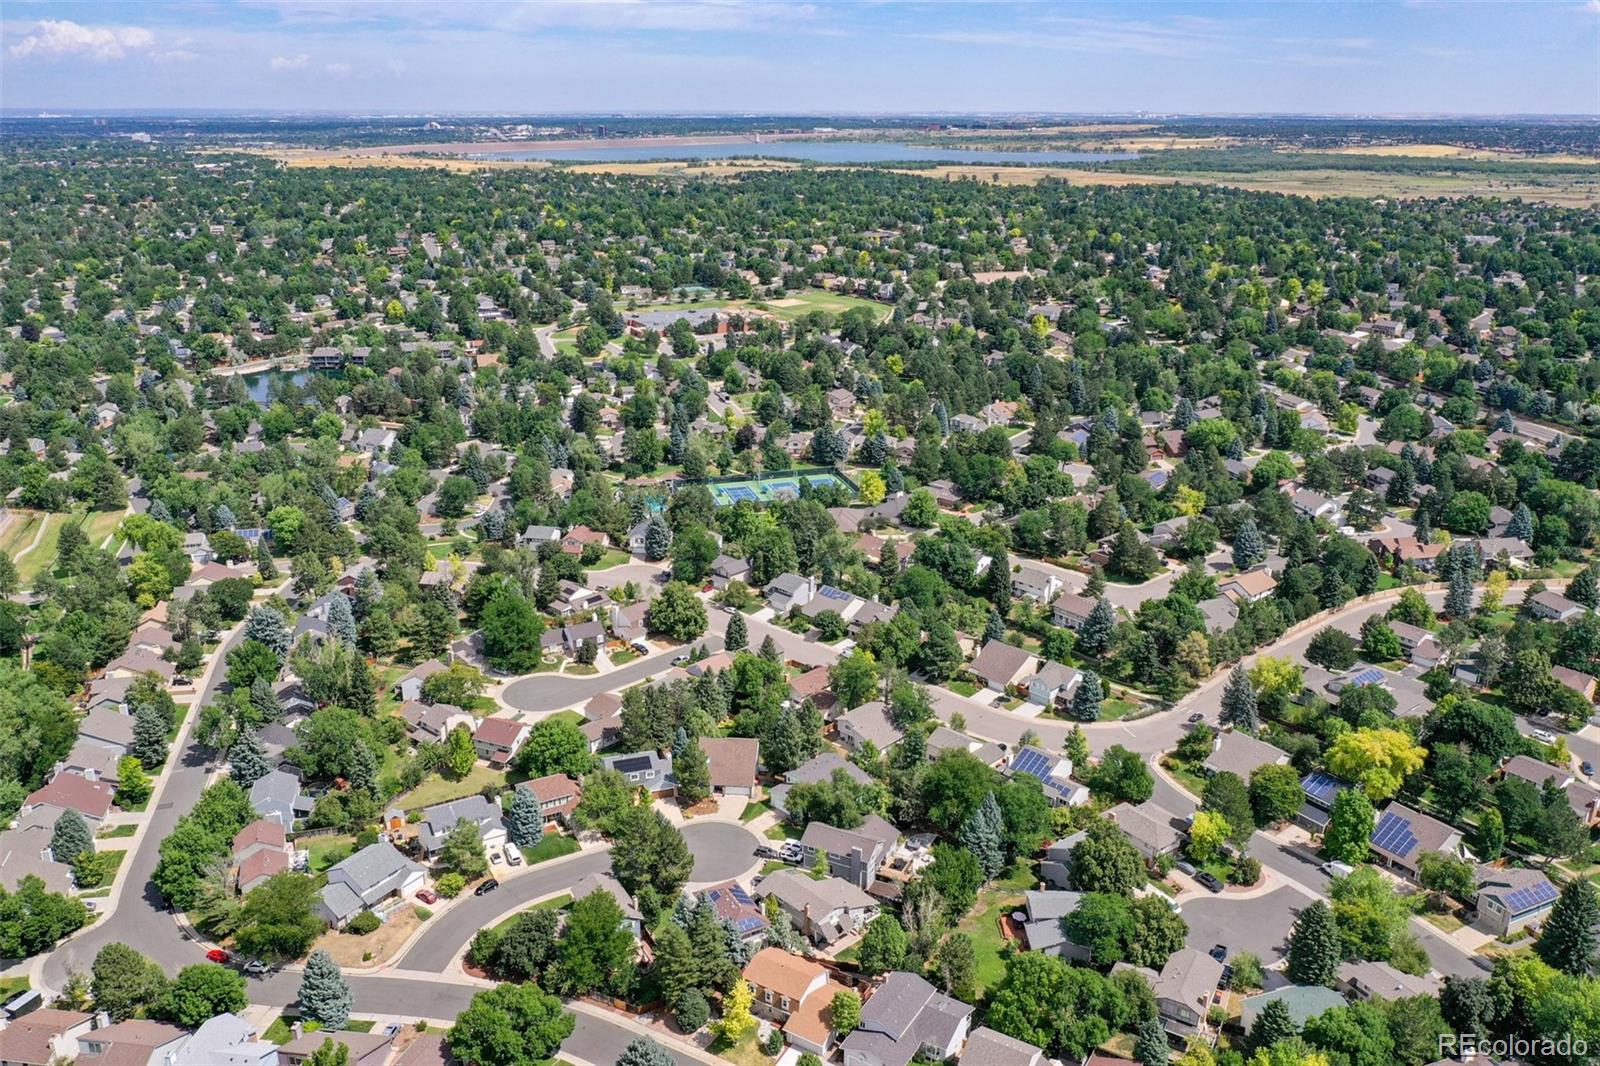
<point>791,56</point>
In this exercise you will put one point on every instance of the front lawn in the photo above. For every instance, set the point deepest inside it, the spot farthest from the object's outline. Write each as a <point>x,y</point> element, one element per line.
<point>962,688</point>
<point>1181,772</point>
<point>755,810</point>
<point>117,831</point>
<point>553,846</point>
<point>611,558</point>
<point>554,903</point>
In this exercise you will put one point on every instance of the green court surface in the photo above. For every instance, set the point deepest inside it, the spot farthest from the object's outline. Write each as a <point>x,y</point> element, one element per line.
<point>784,486</point>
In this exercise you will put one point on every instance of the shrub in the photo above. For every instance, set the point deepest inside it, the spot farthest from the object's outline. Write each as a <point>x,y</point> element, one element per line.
<point>693,1011</point>
<point>774,1042</point>
<point>1247,871</point>
<point>363,923</point>
<point>423,914</point>
<point>449,885</point>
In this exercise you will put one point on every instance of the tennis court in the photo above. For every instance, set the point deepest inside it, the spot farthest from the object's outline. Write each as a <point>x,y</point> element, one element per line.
<point>766,489</point>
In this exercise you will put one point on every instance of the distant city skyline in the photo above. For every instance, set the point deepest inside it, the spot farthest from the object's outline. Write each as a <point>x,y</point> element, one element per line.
<point>789,57</point>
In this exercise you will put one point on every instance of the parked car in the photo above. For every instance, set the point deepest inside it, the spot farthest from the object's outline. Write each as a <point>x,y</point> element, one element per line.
<point>486,887</point>
<point>1544,736</point>
<point>1185,868</point>
<point>428,895</point>
<point>681,659</point>
<point>255,967</point>
<point>1338,869</point>
<point>217,955</point>
<point>1587,768</point>
<point>1218,952</point>
<point>513,855</point>
<point>1209,880</point>
<point>496,857</point>
<point>1196,718</point>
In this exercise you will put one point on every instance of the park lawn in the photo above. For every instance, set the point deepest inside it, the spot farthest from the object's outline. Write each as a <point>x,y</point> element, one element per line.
<point>20,533</point>
<point>325,851</point>
<point>43,556</point>
<point>553,846</point>
<point>99,525</point>
<point>438,789</point>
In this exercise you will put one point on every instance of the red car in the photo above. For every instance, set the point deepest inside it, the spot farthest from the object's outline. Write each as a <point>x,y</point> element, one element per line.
<point>428,895</point>
<point>217,955</point>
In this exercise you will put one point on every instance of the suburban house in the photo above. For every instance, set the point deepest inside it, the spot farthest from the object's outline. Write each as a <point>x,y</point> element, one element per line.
<point>109,728</point>
<point>580,537</point>
<point>225,1040</point>
<point>366,879</point>
<point>480,811</point>
<point>572,598</point>
<point>1242,754</point>
<point>797,994</point>
<point>1054,773</point>
<point>1553,607</point>
<point>813,685</point>
<point>72,792</point>
<point>277,796</point>
<point>260,850</point>
<point>1042,929</point>
<point>534,536</point>
<point>1053,684</point>
<point>366,1049</point>
<point>1581,797</point>
<point>1511,899</point>
<point>44,1037</point>
<point>1152,830</point>
<point>1320,789</point>
<point>1418,645</point>
<point>432,722</point>
<point>1055,870</point>
<point>1185,990</point>
<point>1071,610</point>
<point>499,739</point>
<point>907,1017</point>
<point>732,904</point>
<point>726,569</point>
<point>823,911</point>
<point>1000,665</point>
<point>853,854</point>
<point>604,882</point>
<point>985,1047</point>
<point>135,1042</point>
<point>732,763</point>
<point>1379,980</point>
<point>409,688</point>
<point>557,794</point>
<point>788,591</point>
<point>1034,584</point>
<point>1251,586</point>
<point>868,722</point>
<point>1402,836</point>
<point>649,770</point>
<point>819,767</point>
<point>1578,681</point>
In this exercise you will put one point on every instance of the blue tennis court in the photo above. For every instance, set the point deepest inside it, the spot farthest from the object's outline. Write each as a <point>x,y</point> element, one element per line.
<point>739,492</point>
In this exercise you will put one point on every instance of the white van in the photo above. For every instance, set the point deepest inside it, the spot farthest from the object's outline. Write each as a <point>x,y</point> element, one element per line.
<point>1338,869</point>
<point>513,854</point>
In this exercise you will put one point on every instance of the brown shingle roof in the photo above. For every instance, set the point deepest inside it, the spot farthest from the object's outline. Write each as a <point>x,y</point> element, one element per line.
<point>732,760</point>
<point>786,974</point>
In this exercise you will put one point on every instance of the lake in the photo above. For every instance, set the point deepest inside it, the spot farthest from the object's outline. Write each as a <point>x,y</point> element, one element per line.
<point>261,385</point>
<point>810,151</point>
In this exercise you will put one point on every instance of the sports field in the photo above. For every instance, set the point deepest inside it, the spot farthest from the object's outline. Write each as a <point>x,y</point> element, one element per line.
<point>782,486</point>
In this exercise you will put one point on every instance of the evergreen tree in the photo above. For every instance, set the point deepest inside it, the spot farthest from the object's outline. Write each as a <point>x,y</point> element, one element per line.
<point>1273,1024</point>
<point>247,759</point>
<point>1248,547</point>
<point>642,1051</point>
<point>324,995</point>
<point>361,693</point>
<point>1568,941</point>
<point>265,625</point>
<point>1582,588</point>
<point>527,824</point>
<point>1094,636</point>
<point>1239,702</point>
<point>342,620</point>
<point>1521,524</point>
<point>364,769</point>
<point>1086,700</point>
<point>1150,1049</point>
<point>657,539</point>
<point>996,627</point>
<point>738,634</point>
<point>693,771</point>
<point>70,838</point>
<point>1424,527</point>
<point>1458,600</point>
<point>149,736</point>
<point>983,834</point>
<point>769,650</point>
<point>1314,950</point>
<point>264,701</point>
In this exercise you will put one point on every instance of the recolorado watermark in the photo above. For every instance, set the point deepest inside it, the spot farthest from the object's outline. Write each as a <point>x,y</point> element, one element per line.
<point>1468,1045</point>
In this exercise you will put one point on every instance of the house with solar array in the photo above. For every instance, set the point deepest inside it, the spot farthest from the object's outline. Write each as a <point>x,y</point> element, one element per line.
<point>1320,789</point>
<point>733,905</point>
<point>1512,899</point>
<point>1054,773</point>
<point>1402,836</point>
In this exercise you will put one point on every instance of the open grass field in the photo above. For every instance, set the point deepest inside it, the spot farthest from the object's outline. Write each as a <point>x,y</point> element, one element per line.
<point>788,308</point>
<point>20,531</point>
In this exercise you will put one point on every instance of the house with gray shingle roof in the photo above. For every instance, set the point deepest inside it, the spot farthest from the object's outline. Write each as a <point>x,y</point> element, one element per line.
<point>366,879</point>
<point>905,1018</point>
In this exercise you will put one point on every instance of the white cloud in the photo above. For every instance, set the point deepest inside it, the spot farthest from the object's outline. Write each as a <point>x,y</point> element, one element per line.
<point>299,62</point>
<point>338,70</point>
<point>396,66</point>
<point>62,37</point>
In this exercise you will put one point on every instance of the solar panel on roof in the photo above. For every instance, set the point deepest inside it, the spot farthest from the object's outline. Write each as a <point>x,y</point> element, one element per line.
<point>1394,835</point>
<point>1366,677</point>
<point>1535,895</point>
<point>638,762</point>
<point>738,893</point>
<point>1321,786</point>
<point>1031,761</point>
<point>832,593</point>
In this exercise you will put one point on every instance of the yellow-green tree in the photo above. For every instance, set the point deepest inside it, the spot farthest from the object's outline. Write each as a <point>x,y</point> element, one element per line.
<point>736,1021</point>
<point>1207,834</point>
<point>1379,760</point>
